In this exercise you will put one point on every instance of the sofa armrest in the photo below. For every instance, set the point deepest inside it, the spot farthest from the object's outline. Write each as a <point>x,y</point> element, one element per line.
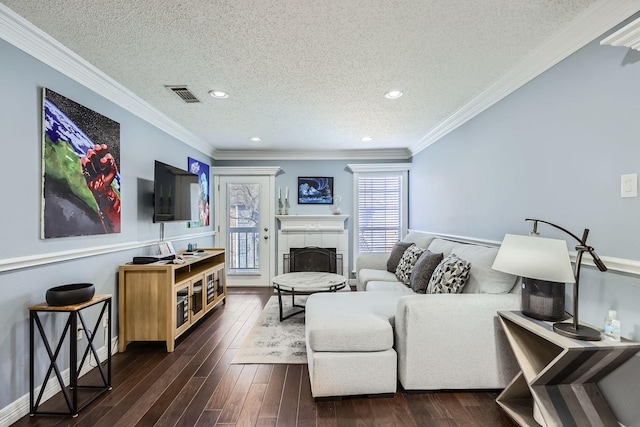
<point>372,260</point>
<point>453,341</point>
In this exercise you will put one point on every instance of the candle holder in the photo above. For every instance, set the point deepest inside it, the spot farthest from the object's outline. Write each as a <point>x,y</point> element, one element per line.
<point>279,206</point>
<point>286,206</point>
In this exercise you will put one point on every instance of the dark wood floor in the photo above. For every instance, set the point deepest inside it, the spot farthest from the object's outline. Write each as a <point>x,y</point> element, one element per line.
<point>197,386</point>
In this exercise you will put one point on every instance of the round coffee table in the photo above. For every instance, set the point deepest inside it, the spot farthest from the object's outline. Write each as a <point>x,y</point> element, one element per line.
<point>305,283</point>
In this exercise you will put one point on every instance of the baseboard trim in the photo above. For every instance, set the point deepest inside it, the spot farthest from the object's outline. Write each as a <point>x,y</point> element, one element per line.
<point>21,407</point>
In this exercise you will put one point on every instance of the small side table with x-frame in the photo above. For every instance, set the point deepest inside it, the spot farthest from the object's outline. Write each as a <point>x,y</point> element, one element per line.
<point>71,326</point>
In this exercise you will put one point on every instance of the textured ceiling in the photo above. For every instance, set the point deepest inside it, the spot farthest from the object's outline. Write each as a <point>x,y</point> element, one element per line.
<point>304,75</point>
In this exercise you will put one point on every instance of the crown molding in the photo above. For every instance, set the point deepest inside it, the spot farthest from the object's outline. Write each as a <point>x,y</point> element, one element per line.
<point>628,36</point>
<point>592,23</point>
<point>22,34</point>
<point>245,170</point>
<point>391,154</point>
<point>597,19</point>
<point>378,167</point>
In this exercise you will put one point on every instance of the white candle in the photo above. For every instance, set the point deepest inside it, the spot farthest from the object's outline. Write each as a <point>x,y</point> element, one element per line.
<point>287,194</point>
<point>279,194</point>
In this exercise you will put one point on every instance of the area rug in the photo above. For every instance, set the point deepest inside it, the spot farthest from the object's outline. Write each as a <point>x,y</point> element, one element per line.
<point>272,341</point>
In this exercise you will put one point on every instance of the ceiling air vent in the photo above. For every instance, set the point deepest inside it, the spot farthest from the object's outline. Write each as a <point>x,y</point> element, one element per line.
<point>184,93</point>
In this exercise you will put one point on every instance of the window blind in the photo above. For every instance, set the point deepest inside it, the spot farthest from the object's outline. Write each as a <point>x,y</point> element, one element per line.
<point>379,212</point>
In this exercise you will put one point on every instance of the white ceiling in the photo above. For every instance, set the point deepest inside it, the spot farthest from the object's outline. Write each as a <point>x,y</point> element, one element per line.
<point>308,75</point>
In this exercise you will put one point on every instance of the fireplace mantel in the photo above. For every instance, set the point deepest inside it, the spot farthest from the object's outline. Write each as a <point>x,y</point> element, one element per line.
<point>322,231</point>
<point>311,223</point>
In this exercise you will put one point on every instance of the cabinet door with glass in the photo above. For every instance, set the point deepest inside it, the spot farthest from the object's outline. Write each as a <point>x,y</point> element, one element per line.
<point>214,281</point>
<point>197,297</point>
<point>182,303</point>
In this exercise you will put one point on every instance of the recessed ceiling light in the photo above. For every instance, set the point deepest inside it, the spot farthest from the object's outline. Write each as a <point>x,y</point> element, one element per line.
<point>255,139</point>
<point>393,94</point>
<point>366,139</point>
<point>219,94</point>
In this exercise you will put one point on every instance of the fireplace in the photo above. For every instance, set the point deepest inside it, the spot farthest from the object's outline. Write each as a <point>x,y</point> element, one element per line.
<point>312,258</point>
<point>321,231</point>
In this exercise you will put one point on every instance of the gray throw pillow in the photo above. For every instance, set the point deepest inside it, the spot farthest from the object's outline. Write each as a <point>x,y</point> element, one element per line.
<point>450,276</point>
<point>396,255</point>
<point>408,260</point>
<point>423,270</point>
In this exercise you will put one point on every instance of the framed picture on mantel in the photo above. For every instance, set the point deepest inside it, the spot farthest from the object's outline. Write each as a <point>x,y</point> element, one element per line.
<point>315,190</point>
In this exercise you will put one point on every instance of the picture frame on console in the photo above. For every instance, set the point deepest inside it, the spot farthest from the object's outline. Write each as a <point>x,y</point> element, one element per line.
<point>315,190</point>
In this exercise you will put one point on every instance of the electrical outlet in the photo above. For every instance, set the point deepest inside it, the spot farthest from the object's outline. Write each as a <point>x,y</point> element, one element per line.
<point>79,334</point>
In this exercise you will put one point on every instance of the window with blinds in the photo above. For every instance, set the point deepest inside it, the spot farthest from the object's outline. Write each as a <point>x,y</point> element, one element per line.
<point>379,207</point>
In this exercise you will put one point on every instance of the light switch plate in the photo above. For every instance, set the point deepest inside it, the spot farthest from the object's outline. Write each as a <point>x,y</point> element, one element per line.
<point>629,185</point>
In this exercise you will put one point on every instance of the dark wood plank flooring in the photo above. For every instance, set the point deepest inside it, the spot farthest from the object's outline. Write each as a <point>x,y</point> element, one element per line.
<point>196,385</point>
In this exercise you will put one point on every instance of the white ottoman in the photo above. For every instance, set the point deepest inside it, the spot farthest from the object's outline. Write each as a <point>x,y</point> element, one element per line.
<point>349,340</point>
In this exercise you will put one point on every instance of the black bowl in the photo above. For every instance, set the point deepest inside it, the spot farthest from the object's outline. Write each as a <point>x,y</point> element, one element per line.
<point>73,293</point>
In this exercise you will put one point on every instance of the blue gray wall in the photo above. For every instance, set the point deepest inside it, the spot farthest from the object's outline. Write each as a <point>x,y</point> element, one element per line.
<point>292,169</point>
<point>21,81</point>
<point>553,150</point>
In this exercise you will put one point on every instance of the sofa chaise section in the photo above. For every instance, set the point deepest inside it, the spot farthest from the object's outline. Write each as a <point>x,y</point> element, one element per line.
<point>453,341</point>
<point>350,341</point>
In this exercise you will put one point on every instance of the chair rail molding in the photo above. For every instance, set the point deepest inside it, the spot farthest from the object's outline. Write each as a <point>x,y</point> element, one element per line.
<point>620,265</point>
<point>17,263</point>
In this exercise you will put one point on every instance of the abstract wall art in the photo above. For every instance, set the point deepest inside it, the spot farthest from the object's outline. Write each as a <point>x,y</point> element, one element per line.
<point>80,170</point>
<point>204,213</point>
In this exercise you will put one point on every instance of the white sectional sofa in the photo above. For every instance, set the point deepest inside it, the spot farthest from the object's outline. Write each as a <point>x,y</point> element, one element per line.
<point>366,342</point>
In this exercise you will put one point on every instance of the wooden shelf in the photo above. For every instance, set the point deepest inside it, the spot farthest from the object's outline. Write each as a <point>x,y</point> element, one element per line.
<point>160,301</point>
<point>559,375</point>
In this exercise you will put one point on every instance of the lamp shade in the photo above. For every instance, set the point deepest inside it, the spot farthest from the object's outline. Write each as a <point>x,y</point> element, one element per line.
<point>535,257</point>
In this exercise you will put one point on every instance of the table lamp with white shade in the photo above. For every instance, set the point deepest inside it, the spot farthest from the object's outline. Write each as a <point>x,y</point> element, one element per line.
<point>544,264</point>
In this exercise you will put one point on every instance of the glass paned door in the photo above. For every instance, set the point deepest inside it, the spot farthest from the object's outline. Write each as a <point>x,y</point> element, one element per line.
<point>245,229</point>
<point>243,208</point>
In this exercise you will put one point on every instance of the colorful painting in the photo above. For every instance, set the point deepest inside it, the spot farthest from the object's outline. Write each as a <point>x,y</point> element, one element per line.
<point>80,170</point>
<point>315,190</point>
<point>202,170</point>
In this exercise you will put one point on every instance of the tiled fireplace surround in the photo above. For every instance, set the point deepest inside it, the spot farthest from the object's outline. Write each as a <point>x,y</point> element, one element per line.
<point>325,231</point>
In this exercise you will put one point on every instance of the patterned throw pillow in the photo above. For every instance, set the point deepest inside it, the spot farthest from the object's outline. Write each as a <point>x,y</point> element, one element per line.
<point>450,276</point>
<point>408,260</point>
<point>423,270</point>
<point>396,255</point>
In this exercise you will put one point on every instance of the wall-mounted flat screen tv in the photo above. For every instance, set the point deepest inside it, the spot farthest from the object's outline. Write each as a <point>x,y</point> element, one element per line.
<point>176,194</point>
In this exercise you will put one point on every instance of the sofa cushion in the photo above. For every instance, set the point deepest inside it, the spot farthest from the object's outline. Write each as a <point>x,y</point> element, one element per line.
<point>407,262</point>
<point>419,238</point>
<point>379,286</point>
<point>396,255</point>
<point>482,278</point>
<point>423,270</point>
<point>367,275</point>
<point>360,332</point>
<point>450,276</point>
<point>356,321</point>
<point>443,246</point>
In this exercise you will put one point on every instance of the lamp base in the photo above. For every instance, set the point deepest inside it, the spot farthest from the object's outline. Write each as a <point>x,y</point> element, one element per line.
<point>542,299</point>
<point>580,333</point>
